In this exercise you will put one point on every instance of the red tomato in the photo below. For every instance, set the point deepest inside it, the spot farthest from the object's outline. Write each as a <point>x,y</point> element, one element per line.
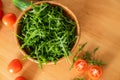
<point>14,66</point>
<point>9,19</point>
<point>0,3</point>
<point>20,78</point>
<point>1,13</point>
<point>81,65</point>
<point>95,72</point>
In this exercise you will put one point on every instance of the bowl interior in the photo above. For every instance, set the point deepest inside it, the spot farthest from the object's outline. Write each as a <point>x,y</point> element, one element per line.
<point>67,13</point>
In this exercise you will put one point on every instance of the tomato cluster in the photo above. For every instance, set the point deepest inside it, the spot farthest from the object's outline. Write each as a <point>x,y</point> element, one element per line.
<point>15,66</point>
<point>8,20</point>
<point>93,71</point>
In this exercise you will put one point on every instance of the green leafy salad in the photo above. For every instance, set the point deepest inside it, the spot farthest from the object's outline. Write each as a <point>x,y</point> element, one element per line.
<point>46,33</point>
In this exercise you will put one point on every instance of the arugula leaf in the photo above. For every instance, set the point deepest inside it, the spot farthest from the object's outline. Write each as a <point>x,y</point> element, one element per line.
<point>46,33</point>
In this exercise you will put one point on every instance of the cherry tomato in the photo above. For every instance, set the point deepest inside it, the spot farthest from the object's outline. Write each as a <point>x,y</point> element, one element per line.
<point>1,13</point>
<point>0,3</point>
<point>81,65</point>
<point>94,72</point>
<point>14,66</point>
<point>9,19</point>
<point>20,78</point>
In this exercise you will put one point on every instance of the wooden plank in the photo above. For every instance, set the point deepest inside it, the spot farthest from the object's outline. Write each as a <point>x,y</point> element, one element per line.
<point>99,21</point>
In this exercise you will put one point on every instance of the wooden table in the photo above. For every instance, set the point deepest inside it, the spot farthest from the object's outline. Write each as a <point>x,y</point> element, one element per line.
<point>100,27</point>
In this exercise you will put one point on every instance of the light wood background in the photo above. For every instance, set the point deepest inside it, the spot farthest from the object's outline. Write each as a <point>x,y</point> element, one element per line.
<point>100,27</point>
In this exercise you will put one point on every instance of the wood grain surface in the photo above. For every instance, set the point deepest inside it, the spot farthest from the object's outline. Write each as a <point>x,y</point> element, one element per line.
<point>100,27</point>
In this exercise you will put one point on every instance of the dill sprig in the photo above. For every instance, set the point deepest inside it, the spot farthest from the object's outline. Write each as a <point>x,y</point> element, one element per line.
<point>89,57</point>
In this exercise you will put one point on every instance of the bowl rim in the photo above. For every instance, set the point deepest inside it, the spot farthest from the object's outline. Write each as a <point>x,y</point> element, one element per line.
<point>66,9</point>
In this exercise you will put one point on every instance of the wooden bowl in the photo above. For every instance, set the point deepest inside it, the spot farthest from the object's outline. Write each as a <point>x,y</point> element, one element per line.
<point>67,11</point>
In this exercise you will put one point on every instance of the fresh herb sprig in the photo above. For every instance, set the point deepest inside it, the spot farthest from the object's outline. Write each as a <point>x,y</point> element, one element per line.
<point>76,56</point>
<point>89,57</point>
<point>46,33</point>
<point>79,78</point>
